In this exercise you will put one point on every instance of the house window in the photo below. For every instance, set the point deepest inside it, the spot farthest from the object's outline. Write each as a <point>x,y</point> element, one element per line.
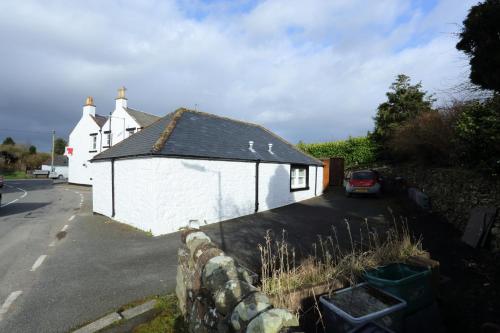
<point>299,177</point>
<point>93,142</point>
<point>130,131</point>
<point>108,139</point>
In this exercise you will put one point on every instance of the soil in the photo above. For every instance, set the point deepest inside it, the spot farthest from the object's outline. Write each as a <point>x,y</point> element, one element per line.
<point>469,295</point>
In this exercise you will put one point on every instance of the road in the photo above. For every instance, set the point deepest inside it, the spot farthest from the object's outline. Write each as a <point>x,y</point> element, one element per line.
<point>61,266</point>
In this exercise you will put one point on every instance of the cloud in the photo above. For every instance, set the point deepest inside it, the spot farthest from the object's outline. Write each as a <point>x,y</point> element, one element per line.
<point>310,71</point>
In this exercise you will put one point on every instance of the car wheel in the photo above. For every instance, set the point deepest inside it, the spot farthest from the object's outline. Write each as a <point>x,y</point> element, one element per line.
<point>60,177</point>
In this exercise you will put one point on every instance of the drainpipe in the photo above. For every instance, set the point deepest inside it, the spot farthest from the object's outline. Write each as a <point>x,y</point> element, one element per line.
<point>257,185</point>
<point>112,187</point>
<point>316,181</point>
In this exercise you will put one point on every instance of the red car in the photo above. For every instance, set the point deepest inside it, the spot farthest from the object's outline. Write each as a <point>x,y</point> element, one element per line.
<point>363,182</point>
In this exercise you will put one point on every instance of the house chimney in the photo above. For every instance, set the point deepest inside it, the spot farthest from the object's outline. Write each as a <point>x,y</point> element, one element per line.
<point>270,147</point>
<point>121,100</point>
<point>89,107</point>
<point>250,146</point>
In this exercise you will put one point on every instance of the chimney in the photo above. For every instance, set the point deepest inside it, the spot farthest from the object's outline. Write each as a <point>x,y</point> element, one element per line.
<point>89,107</point>
<point>250,146</point>
<point>270,148</point>
<point>121,100</point>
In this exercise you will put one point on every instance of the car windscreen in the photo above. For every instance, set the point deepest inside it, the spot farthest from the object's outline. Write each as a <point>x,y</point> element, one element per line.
<point>363,175</point>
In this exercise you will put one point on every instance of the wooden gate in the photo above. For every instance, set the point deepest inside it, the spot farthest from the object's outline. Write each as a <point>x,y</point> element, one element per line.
<point>333,172</point>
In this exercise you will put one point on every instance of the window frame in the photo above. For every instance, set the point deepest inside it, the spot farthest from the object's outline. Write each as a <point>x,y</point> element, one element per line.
<point>299,167</point>
<point>93,143</point>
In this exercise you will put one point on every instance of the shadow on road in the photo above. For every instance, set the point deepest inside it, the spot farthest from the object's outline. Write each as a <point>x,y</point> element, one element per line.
<point>21,207</point>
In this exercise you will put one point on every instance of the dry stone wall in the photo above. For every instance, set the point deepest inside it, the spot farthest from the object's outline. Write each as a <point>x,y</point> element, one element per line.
<point>217,295</point>
<point>454,192</point>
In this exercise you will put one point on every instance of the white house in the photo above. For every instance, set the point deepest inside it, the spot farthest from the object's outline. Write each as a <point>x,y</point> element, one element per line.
<point>191,165</point>
<point>95,133</point>
<point>60,165</point>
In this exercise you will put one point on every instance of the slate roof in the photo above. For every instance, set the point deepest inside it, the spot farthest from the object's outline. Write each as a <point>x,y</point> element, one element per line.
<point>100,120</point>
<point>142,118</point>
<point>59,160</point>
<point>188,133</point>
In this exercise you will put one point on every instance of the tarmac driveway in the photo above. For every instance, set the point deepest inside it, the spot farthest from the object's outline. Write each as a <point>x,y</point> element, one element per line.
<point>303,222</point>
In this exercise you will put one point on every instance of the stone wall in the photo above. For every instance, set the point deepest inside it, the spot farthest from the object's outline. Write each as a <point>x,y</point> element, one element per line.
<point>217,295</point>
<point>453,193</point>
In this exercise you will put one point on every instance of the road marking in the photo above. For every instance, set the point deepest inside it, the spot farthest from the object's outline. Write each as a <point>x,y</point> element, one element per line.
<point>52,244</point>
<point>38,262</point>
<point>71,218</point>
<point>8,302</point>
<point>65,227</point>
<point>15,200</point>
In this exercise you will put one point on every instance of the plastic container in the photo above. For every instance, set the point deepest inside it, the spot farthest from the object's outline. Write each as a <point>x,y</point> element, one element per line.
<point>353,307</point>
<point>411,283</point>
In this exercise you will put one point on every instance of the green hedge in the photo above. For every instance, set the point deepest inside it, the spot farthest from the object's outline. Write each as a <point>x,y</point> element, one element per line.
<point>355,151</point>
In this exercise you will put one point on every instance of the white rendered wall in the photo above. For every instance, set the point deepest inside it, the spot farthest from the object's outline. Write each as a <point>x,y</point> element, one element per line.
<point>101,188</point>
<point>161,195</point>
<point>120,121</point>
<point>79,167</point>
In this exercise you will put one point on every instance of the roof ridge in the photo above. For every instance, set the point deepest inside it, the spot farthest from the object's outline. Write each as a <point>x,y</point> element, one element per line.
<point>165,134</point>
<point>255,125</point>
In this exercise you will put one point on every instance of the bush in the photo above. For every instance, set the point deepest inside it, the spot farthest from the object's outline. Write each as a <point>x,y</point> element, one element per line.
<point>427,138</point>
<point>355,151</point>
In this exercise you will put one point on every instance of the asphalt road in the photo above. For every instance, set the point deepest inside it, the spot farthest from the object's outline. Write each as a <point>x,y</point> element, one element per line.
<point>61,266</point>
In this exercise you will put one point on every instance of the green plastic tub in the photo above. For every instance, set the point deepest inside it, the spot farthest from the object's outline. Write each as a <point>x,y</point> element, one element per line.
<point>411,283</point>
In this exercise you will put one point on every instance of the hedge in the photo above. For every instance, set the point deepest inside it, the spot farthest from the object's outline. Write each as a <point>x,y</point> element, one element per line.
<point>355,151</point>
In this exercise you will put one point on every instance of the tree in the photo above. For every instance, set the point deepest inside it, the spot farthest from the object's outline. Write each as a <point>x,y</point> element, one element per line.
<point>32,150</point>
<point>404,102</point>
<point>9,141</point>
<point>480,40</point>
<point>59,146</point>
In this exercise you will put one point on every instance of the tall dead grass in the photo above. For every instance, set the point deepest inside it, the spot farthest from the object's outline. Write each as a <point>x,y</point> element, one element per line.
<point>329,263</point>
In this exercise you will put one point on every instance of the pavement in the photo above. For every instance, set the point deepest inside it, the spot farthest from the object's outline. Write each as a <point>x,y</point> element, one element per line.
<point>62,267</point>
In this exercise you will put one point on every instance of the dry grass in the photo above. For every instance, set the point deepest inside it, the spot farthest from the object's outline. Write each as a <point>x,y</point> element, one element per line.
<point>329,263</point>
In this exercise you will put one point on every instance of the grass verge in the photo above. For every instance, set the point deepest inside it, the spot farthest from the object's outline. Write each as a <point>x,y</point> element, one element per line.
<point>16,175</point>
<point>169,320</point>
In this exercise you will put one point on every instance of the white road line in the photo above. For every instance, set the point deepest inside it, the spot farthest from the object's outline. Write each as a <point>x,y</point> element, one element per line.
<point>65,227</point>
<point>71,218</point>
<point>22,196</point>
<point>38,262</point>
<point>8,302</point>
<point>52,244</point>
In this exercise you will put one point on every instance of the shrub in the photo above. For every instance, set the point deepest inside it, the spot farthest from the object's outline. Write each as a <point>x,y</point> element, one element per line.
<point>355,151</point>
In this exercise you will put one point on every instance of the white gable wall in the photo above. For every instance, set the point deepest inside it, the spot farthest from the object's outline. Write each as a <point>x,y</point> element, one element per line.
<point>79,167</point>
<point>120,121</point>
<point>161,195</point>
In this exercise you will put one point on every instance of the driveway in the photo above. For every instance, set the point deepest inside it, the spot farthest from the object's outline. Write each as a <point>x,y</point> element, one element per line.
<point>53,280</point>
<point>303,222</point>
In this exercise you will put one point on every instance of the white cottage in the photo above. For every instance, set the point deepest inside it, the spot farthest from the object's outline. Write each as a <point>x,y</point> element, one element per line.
<point>191,165</point>
<point>95,133</point>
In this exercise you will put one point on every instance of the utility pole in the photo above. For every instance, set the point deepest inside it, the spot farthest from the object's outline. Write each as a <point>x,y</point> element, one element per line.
<point>53,149</point>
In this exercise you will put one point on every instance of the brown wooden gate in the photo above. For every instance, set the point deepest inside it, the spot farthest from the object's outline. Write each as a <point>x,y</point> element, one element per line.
<point>336,171</point>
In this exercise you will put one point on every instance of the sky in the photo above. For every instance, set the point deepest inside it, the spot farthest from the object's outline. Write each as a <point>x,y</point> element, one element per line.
<point>307,70</point>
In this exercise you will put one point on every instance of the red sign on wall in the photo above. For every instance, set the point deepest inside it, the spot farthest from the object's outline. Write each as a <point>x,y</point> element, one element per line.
<point>69,151</point>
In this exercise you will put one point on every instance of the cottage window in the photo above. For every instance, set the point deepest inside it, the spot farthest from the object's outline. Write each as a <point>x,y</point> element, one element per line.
<point>108,139</point>
<point>130,131</point>
<point>299,177</point>
<point>93,142</point>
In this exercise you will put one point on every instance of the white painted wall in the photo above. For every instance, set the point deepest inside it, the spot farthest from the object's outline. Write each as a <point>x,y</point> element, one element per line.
<point>101,188</point>
<point>60,170</point>
<point>161,195</point>
<point>120,121</point>
<point>78,164</point>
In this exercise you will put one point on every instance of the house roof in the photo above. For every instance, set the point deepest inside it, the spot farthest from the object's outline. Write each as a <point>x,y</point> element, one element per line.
<point>100,120</point>
<point>59,160</point>
<point>188,133</point>
<point>142,118</point>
